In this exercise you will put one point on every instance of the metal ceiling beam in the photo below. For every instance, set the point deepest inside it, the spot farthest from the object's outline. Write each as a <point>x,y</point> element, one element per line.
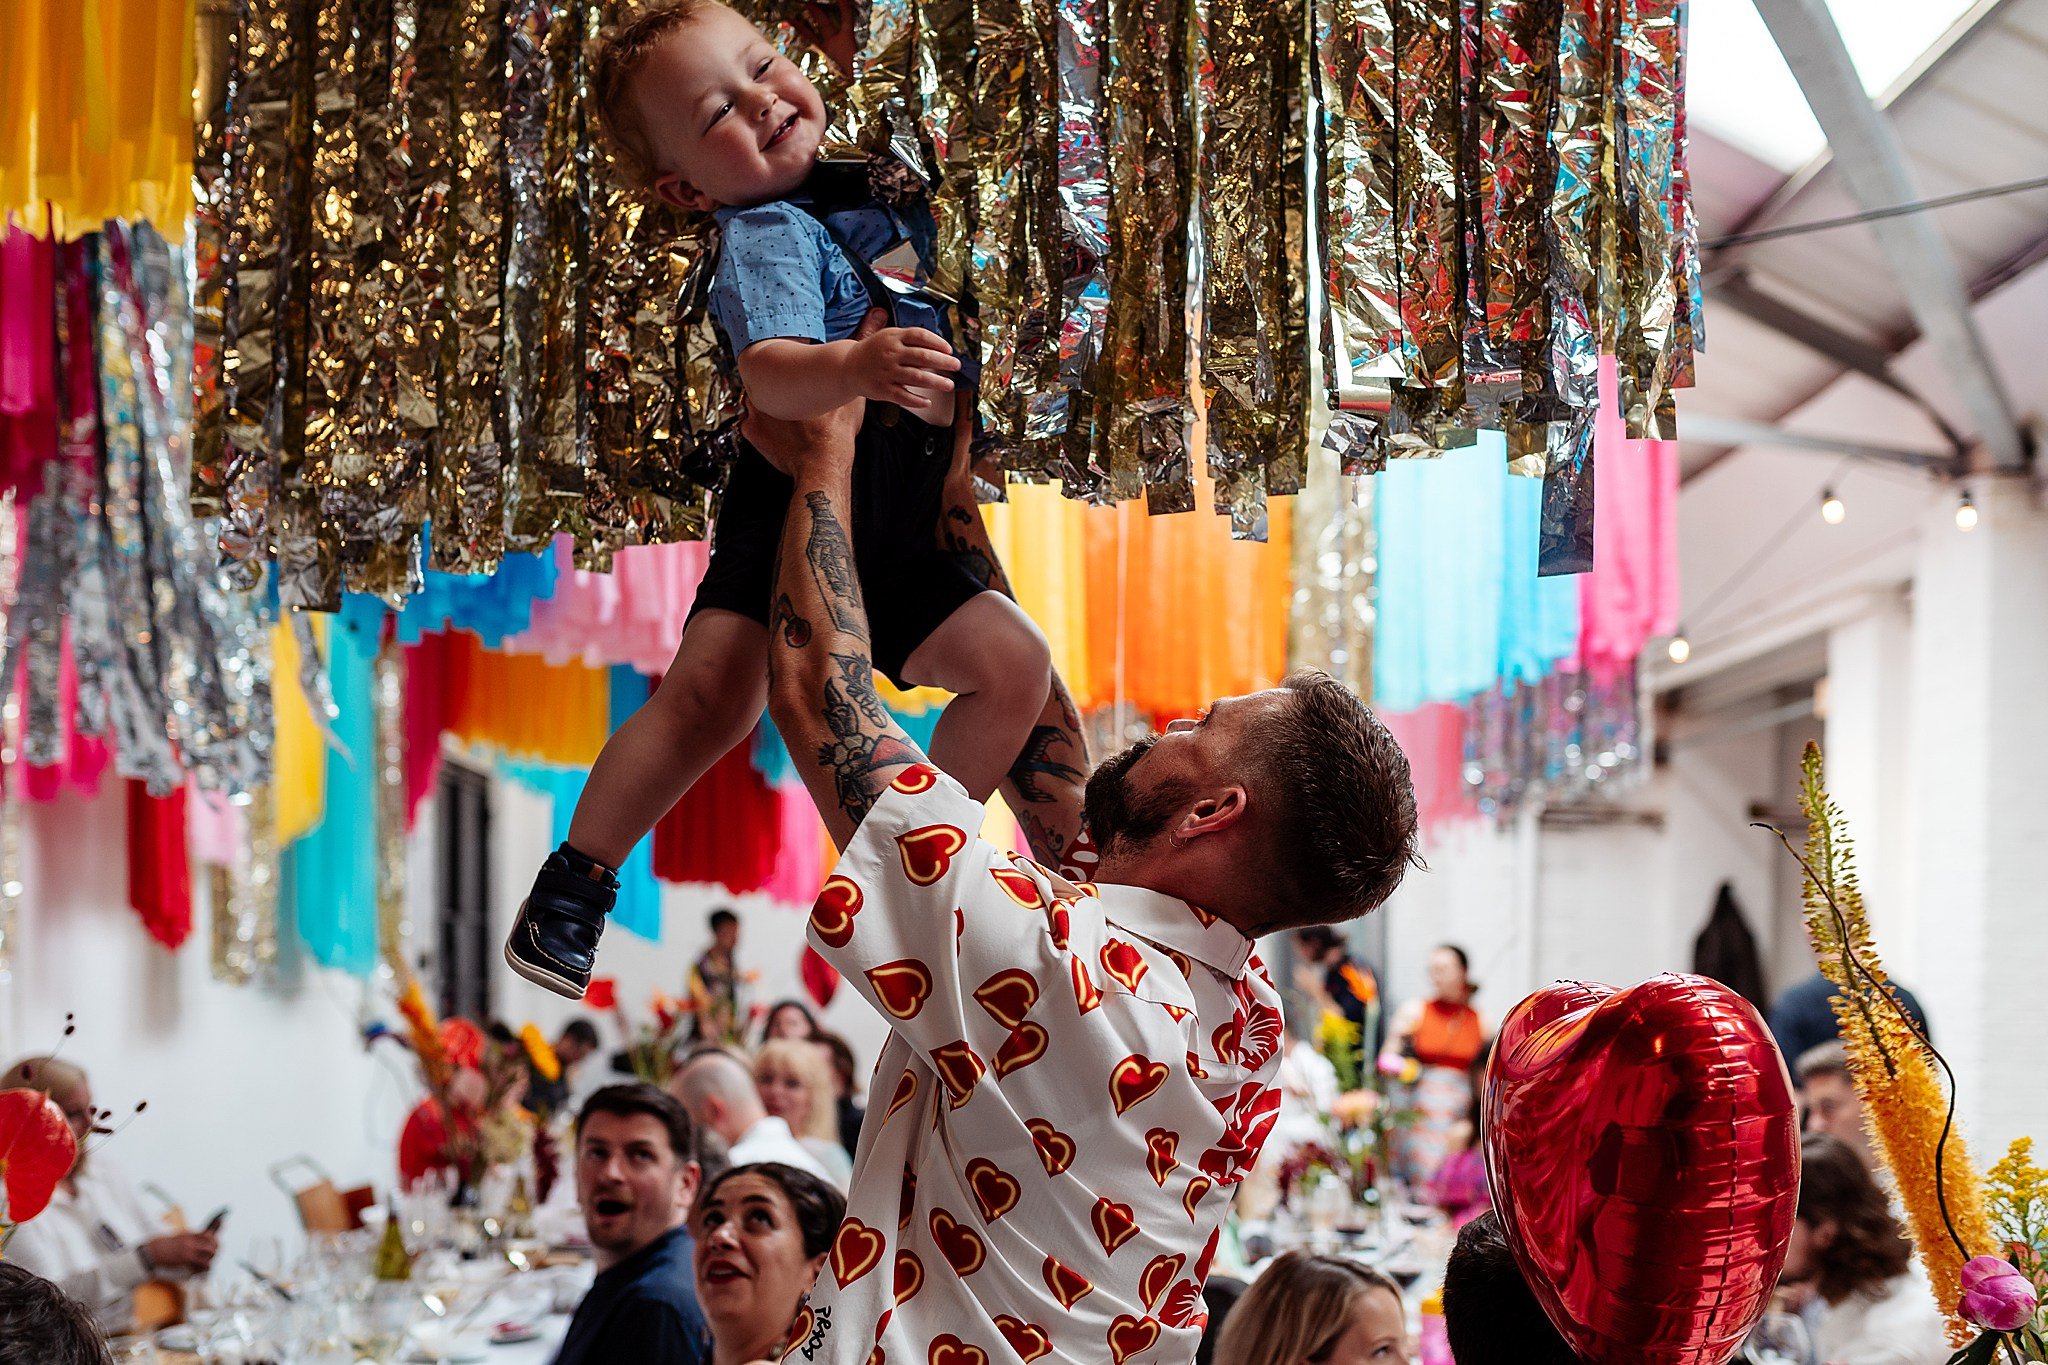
<point>1707,429</point>
<point>1735,289</point>
<point>1873,166</point>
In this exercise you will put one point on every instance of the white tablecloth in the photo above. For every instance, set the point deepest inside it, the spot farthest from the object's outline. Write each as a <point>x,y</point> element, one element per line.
<point>539,1351</point>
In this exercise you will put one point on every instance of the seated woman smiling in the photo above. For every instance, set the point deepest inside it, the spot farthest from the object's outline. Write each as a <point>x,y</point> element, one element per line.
<point>762,1234</point>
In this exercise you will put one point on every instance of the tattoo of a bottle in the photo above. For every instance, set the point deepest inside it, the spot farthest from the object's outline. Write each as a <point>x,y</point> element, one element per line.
<point>830,555</point>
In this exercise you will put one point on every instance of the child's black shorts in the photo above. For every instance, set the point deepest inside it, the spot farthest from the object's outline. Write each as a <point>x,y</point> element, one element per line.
<point>909,584</point>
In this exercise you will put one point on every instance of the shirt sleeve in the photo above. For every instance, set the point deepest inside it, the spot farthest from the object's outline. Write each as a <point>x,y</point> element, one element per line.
<point>937,928</point>
<point>769,282</point>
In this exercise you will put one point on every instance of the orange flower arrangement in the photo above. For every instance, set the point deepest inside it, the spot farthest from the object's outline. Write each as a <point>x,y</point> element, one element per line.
<point>1910,1114</point>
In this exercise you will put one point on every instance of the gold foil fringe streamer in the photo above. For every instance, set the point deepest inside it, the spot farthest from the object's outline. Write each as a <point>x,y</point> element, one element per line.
<point>1503,186</point>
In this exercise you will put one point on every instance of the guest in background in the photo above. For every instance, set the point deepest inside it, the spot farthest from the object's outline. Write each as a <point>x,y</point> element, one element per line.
<point>1873,1306</point>
<point>1319,1309</point>
<point>1490,1314</point>
<point>1459,1188</point>
<point>1804,1016</point>
<point>562,1093</point>
<point>1829,1102</point>
<point>790,1019</point>
<point>637,1179</point>
<point>846,1087</point>
<point>718,1091</point>
<point>435,1134</point>
<point>715,982</point>
<point>582,1077</point>
<point>42,1325</point>
<point>1444,1034</point>
<point>96,1241</point>
<point>763,1233</point>
<point>795,1085</point>
<point>1341,984</point>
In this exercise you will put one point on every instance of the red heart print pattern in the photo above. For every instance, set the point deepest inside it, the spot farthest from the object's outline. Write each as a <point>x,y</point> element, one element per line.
<point>963,1248</point>
<point>950,1350</point>
<point>1059,924</point>
<point>927,853</point>
<point>916,779</point>
<point>960,1069</point>
<point>1196,1069</point>
<point>1158,1278</point>
<point>855,1251</point>
<point>1204,916</point>
<point>1055,1149</point>
<point>906,1091</point>
<point>1162,1154</point>
<point>909,1275</point>
<point>1085,993</point>
<point>800,1330</point>
<point>1018,887</point>
<point>995,1189</point>
<point>1208,1255</point>
<point>1175,1012</point>
<point>1135,1080</point>
<point>1180,960</point>
<point>839,900</point>
<point>1023,1047</point>
<point>907,1200</point>
<point>1129,1335</point>
<point>875,1357</point>
<point>1225,1040</point>
<point>1068,1285</point>
<point>1124,963</point>
<point>902,986</point>
<point>1183,1303</point>
<point>1008,996</point>
<point>1114,1224</point>
<point>1027,1339</point>
<point>1258,1035</point>
<point>1192,1196</point>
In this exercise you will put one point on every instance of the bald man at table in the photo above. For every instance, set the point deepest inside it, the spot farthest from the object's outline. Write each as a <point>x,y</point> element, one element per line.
<point>1079,1072</point>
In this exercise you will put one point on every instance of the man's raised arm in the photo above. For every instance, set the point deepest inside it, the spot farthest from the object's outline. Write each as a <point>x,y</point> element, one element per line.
<point>821,681</point>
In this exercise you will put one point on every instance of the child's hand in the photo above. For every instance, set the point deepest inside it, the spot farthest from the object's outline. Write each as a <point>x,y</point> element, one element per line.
<point>908,366</point>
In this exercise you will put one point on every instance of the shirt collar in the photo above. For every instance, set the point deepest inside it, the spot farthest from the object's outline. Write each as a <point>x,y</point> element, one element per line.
<point>1171,921</point>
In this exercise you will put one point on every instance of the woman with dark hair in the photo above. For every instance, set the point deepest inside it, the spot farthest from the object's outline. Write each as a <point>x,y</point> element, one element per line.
<point>1317,1310</point>
<point>1444,1034</point>
<point>791,1019</point>
<point>1873,1306</point>
<point>762,1233</point>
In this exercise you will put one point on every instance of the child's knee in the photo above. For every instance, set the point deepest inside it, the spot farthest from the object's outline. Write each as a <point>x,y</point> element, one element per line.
<point>1019,662</point>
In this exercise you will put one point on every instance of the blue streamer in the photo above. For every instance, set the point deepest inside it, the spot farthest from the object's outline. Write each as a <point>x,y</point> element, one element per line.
<point>330,875</point>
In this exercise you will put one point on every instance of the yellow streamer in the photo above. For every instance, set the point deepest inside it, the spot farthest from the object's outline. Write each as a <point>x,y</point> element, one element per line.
<point>96,112</point>
<point>299,749</point>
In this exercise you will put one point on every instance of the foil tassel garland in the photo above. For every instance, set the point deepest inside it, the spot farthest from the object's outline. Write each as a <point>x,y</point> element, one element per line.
<point>422,299</point>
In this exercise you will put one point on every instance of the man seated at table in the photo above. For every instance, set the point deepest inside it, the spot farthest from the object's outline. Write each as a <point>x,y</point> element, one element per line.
<point>719,1093</point>
<point>1490,1314</point>
<point>1079,1071</point>
<point>636,1175</point>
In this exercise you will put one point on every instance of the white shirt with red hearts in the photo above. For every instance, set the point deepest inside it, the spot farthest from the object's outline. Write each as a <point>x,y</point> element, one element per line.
<point>1076,1079</point>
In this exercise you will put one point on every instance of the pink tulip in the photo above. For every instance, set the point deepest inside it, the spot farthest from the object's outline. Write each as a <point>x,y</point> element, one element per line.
<point>1997,1296</point>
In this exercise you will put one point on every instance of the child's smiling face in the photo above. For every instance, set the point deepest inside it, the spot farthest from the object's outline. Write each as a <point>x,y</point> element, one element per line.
<point>730,120</point>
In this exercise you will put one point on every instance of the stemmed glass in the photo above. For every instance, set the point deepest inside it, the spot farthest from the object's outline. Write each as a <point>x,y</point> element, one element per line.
<point>377,1321</point>
<point>1780,1339</point>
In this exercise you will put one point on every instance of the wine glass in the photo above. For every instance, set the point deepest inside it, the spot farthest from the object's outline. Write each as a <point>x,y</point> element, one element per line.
<point>1780,1339</point>
<point>377,1321</point>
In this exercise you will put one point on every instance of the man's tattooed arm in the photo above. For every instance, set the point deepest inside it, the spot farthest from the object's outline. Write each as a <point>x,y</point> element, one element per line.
<point>820,665</point>
<point>1046,785</point>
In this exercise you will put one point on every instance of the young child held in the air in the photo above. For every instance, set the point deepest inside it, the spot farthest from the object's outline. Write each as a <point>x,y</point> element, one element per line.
<point>706,114</point>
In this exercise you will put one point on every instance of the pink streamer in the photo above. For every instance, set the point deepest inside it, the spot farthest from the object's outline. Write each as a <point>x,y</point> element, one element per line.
<point>28,359</point>
<point>1631,596</point>
<point>1433,737</point>
<point>800,858</point>
<point>633,615</point>
<point>218,827</point>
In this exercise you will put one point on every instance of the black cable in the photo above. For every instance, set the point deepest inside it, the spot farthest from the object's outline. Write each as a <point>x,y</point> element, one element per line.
<point>1873,215</point>
<point>1763,552</point>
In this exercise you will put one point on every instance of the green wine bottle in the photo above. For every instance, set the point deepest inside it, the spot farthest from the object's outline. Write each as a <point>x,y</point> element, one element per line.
<point>394,1262</point>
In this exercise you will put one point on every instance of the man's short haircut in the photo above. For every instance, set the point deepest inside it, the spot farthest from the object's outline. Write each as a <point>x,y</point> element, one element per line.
<point>627,1101</point>
<point>1490,1314</point>
<point>581,1031</point>
<point>1342,824</point>
<point>721,917</point>
<point>42,1325</point>
<point>818,1206</point>
<point>1828,1059</point>
<point>616,56</point>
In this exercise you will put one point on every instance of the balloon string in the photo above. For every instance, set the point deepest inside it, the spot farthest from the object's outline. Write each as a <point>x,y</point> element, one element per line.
<point>1856,965</point>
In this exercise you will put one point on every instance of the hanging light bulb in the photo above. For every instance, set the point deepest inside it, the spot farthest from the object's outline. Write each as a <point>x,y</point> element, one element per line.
<point>1832,509</point>
<point>1680,648</point>
<point>1966,513</point>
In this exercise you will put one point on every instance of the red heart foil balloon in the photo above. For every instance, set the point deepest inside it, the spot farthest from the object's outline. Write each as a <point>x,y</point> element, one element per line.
<point>1643,1151</point>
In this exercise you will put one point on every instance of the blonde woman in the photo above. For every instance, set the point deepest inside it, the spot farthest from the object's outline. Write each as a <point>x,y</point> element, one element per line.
<point>1317,1310</point>
<point>796,1086</point>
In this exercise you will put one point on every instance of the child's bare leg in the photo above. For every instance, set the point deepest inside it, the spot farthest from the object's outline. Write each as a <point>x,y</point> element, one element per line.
<point>995,660</point>
<point>707,702</point>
